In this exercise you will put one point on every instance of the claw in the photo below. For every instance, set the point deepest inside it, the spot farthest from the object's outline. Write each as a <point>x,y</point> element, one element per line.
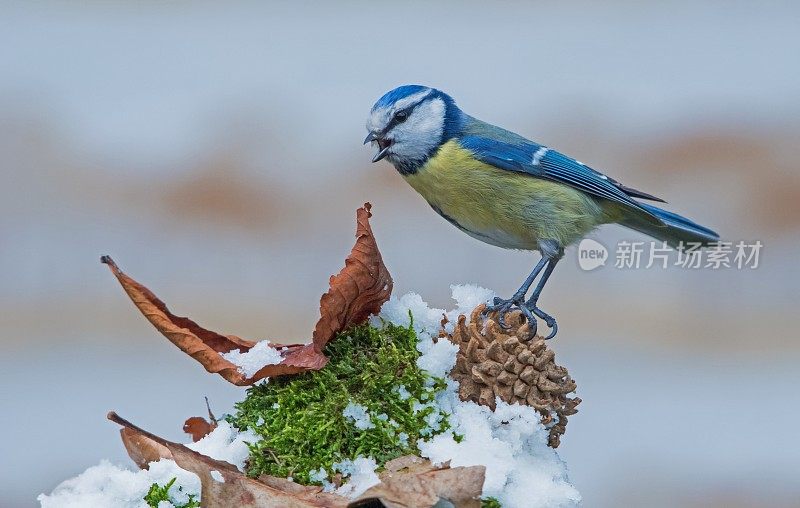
<point>496,305</point>
<point>501,321</point>
<point>549,320</point>
<point>532,325</point>
<point>503,307</point>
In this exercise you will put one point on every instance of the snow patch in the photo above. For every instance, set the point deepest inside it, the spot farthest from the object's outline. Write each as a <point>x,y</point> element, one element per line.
<point>321,476</point>
<point>362,476</point>
<point>359,415</point>
<point>438,356</point>
<point>109,485</point>
<point>403,392</point>
<point>226,443</point>
<point>403,438</point>
<point>255,359</point>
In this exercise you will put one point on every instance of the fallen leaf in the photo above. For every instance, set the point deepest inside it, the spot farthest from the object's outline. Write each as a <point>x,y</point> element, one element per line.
<point>141,449</point>
<point>409,463</point>
<point>461,486</point>
<point>198,427</point>
<point>359,290</point>
<point>236,489</point>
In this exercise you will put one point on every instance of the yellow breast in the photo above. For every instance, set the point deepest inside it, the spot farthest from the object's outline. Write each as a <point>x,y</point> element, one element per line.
<point>501,207</point>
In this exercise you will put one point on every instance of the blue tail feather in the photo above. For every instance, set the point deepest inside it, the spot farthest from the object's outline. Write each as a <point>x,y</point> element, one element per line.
<point>676,228</point>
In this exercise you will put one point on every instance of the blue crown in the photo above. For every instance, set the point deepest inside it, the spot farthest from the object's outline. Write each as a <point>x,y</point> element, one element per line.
<point>398,93</point>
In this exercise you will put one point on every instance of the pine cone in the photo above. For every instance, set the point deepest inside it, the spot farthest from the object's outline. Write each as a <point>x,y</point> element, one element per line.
<point>493,362</point>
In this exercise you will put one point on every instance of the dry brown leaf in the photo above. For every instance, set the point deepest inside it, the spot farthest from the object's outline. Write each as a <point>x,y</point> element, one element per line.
<point>357,291</point>
<point>198,427</point>
<point>237,489</point>
<point>409,463</point>
<point>461,486</point>
<point>141,449</point>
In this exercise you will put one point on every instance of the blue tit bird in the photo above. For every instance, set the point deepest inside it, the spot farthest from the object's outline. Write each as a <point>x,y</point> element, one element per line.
<point>508,191</point>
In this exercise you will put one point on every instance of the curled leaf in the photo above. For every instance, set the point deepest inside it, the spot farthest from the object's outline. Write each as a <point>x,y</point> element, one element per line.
<point>357,291</point>
<point>236,489</point>
<point>198,427</point>
<point>141,449</point>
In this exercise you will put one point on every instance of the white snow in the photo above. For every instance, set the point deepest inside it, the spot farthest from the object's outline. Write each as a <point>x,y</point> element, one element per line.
<point>108,485</point>
<point>258,357</point>
<point>403,392</point>
<point>428,320</point>
<point>521,470</point>
<point>359,415</point>
<point>361,472</point>
<point>437,357</point>
<point>318,475</point>
<point>321,476</point>
<point>226,443</point>
<point>217,476</point>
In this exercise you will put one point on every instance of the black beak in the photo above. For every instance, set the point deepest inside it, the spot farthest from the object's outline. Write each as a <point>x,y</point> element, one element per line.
<point>370,138</point>
<point>383,145</point>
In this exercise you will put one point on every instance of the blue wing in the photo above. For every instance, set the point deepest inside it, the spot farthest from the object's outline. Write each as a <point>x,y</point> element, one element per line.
<point>541,162</point>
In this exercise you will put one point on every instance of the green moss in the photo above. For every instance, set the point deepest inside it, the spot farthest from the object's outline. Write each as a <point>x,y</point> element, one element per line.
<point>490,502</point>
<point>300,421</point>
<point>158,493</point>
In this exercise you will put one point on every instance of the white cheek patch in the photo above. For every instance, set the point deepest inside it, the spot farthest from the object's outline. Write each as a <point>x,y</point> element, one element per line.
<point>428,118</point>
<point>421,133</point>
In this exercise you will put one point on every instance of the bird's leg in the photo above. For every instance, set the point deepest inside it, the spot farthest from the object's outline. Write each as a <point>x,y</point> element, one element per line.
<point>531,304</point>
<point>502,306</point>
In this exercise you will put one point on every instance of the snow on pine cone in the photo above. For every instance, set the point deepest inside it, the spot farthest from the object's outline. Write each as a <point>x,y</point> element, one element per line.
<point>493,362</point>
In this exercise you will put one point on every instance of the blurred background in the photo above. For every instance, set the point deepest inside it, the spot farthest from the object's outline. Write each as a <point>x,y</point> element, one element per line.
<point>214,150</point>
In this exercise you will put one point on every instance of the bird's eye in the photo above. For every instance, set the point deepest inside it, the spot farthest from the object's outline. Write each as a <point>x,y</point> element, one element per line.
<point>401,116</point>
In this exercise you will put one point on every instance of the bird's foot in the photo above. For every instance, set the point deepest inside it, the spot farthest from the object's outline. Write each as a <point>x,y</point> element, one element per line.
<point>503,307</point>
<point>549,320</point>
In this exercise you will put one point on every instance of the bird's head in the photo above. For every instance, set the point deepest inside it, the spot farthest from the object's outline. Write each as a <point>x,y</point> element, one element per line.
<point>409,123</point>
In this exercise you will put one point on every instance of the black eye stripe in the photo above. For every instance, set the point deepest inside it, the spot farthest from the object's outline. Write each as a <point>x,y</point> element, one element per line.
<point>400,116</point>
<point>407,110</point>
